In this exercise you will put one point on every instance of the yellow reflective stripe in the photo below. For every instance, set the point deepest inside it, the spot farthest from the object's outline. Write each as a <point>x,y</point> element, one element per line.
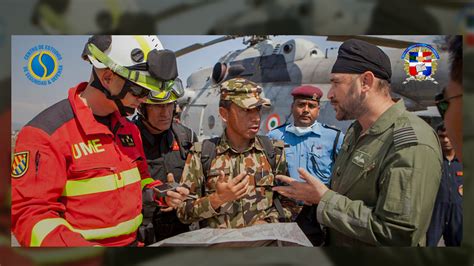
<point>101,184</point>
<point>123,228</point>
<point>146,181</point>
<point>139,78</point>
<point>44,227</point>
<point>143,44</point>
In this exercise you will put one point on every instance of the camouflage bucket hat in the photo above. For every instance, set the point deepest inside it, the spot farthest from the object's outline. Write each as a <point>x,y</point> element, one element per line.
<point>244,93</point>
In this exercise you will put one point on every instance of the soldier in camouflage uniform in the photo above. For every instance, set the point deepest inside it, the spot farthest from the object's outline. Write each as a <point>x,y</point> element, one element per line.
<point>387,174</point>
<point>236,191</point>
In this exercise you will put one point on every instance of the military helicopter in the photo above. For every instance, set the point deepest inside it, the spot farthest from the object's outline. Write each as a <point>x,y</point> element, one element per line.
<point>279,66</point>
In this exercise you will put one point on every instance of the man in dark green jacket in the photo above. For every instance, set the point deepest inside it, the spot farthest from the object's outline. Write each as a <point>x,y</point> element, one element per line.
<point>385,179</point>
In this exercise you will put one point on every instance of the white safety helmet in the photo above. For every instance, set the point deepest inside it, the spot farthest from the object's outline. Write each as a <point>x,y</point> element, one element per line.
<point>140,59</point>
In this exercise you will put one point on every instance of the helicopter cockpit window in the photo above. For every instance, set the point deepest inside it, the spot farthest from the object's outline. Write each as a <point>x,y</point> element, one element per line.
<point>274,69</point>
<point>269,68</point>
<point>211,121</point>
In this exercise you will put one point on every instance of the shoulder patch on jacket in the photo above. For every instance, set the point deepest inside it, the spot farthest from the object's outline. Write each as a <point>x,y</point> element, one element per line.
<point>404,136</point>
<point>127,140</point>
<point>20,163</point>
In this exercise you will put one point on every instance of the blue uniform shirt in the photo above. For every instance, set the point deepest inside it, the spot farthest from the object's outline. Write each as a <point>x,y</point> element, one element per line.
<point>312,152</point>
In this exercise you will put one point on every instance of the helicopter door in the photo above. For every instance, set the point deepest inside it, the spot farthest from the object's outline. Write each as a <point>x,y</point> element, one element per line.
<point>195,111</point>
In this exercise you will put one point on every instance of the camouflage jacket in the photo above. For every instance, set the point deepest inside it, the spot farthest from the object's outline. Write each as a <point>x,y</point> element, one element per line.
<point>256,205</point>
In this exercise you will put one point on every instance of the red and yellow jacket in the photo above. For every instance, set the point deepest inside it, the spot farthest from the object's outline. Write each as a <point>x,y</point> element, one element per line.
<point>74,181</point>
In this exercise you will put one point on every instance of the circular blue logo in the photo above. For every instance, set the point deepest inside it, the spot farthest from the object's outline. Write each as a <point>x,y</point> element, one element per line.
<point>43,65</point>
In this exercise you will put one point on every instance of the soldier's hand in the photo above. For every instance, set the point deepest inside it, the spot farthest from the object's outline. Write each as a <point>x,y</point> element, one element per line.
<point>230,190</point>
<point>310,192</point>
<point>174,198</point>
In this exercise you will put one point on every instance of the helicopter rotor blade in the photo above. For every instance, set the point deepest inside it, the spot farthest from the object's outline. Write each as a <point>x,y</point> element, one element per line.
<point>198,46</point>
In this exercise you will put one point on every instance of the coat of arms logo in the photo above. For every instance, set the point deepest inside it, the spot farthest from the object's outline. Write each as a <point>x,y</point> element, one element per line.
<point>421,62</point>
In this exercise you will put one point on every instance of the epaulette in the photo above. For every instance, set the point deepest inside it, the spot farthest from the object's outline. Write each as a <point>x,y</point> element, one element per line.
<point>404,136</point>
<point>278,143</point>
<point>330,127</point>
<point>197,147</point>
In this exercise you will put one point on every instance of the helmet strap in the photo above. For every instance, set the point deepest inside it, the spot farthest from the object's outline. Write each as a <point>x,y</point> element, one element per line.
<point>124,110</point>
<point>174,109</point>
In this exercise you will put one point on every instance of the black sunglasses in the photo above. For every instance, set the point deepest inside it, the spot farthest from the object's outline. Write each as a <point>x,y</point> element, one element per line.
<point>138,91</point>
<point>443,103</point>
<point>134,89</point>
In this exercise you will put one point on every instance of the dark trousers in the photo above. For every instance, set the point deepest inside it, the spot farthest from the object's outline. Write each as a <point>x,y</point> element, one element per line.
<point>167,224</point>
<point>446,221</point>
<point>310,226</point>
<point>161,226</point>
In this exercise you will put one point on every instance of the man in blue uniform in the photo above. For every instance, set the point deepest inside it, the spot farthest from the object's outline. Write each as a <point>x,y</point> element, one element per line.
<point>311,145</point>
<point>447,215</point>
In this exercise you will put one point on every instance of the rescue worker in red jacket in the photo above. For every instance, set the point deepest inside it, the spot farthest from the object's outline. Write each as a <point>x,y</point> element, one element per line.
<point>79,168</point>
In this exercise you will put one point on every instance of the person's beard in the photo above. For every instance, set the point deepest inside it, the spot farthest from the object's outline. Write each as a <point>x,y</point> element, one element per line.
<point>353,105</point>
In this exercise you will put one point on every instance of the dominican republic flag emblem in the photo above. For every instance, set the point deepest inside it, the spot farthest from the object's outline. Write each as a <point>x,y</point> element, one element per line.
<point>420,62</point>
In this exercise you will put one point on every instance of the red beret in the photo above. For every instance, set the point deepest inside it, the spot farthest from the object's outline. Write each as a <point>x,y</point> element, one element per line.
<point>307,92</point>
